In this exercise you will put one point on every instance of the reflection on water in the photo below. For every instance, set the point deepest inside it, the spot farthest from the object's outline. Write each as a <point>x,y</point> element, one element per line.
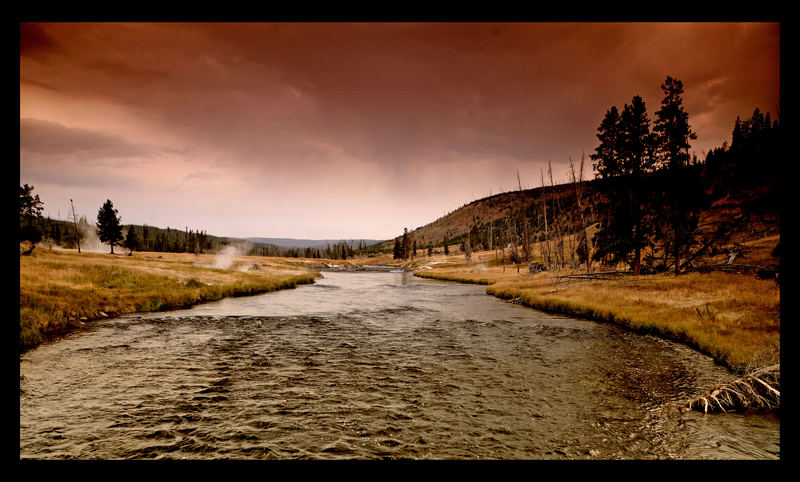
<point>373,365</point>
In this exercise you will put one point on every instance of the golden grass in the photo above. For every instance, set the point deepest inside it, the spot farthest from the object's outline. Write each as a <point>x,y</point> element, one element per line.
<point>60,289</point>
<point>731,317</point>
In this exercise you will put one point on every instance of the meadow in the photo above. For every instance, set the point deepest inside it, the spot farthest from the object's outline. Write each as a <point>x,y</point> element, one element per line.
<point>61,290</point>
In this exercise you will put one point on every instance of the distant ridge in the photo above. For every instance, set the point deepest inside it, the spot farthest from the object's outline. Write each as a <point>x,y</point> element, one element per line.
<point>310,243</point>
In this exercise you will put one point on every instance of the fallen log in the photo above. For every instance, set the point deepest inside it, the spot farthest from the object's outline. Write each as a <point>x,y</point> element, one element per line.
<point>758,389</point>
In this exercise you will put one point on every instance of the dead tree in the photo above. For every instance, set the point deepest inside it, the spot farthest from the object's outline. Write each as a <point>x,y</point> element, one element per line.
<point>512,236</point>
<point>526,241</point>
<point>75,225</point>
<point>557,223</point>
<point>546,245</point>
<point>578,197</point>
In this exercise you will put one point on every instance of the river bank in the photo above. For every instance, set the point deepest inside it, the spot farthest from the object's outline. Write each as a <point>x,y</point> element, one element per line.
<point>61,290</point>
<point>734,318</point>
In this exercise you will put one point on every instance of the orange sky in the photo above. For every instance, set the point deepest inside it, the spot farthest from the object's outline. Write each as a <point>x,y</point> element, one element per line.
<point>339,130</point>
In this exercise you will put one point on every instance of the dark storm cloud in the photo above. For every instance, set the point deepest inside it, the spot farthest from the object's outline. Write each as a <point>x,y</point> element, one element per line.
<point>55,140</point>
<point>34,40</point>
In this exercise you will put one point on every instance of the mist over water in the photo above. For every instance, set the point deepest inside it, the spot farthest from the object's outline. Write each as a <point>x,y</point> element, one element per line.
<point>373,365</point>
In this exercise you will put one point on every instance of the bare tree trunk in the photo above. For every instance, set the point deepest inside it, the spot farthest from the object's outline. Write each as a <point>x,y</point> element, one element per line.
<point>557,223</point>
<point>526,242</point>
<point>546,232</point>
<point>580,210</point>
<point>491,232</point>
<point>75,224</point>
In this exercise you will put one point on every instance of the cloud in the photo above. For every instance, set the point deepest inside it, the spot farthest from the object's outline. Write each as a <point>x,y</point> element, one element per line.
<point>34,40</point>
<point>53,139</point>
<point>43,85</point>
<point>52,153</point>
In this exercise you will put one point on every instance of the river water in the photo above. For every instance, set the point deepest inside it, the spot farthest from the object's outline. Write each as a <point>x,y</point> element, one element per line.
<point>373,365</point>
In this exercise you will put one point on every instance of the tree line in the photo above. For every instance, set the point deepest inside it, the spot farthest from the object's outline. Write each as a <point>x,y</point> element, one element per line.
<point>109,229</point>
<point>337,251</point>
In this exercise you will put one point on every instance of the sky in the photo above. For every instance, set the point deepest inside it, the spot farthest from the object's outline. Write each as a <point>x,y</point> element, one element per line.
<point>351,130</point>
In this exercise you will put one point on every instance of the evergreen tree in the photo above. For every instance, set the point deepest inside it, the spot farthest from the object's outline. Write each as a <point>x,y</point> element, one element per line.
<point>406,246</point>
<point>637,143</point>
<point>398,249</point>
<point>30,215</point>
<point>474,237</point>
<point>606,157</point>
<point>145,238</point>
<point>672,129</point>
<point>56,233</point>
<point>109,228</point>
<point>625,155</point>
<point>683,193</point>
<point>446,244</point>
<point>131,240</point>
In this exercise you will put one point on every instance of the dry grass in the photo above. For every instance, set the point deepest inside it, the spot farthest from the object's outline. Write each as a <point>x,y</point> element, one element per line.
<point>731,317</point>
<point>60,289</point>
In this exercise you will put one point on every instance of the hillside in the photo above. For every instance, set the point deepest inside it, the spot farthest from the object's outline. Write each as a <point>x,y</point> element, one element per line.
<point>727,220</point>
<point>490,211</point>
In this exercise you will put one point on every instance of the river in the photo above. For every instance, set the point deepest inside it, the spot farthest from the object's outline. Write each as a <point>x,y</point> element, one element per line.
<point>368,366</point>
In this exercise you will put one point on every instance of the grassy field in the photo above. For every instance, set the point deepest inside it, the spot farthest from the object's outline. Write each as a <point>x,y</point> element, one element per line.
<point>734,318</point>
<point>61,289</point>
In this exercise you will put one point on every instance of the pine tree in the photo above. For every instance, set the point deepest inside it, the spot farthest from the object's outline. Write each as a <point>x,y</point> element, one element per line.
<point>638,143</point>
<point>145,238</point>
<point>625,155</point>
<point>680,209</point>
<point>109,228</point>
<point>131,240</point>
<point>672,126</point>
<point>398,249</point>
<point>606,157</point>
<point>30,214</point>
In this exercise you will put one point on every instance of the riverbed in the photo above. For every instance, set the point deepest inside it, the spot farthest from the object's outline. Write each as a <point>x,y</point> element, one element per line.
<point>370,365</point>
